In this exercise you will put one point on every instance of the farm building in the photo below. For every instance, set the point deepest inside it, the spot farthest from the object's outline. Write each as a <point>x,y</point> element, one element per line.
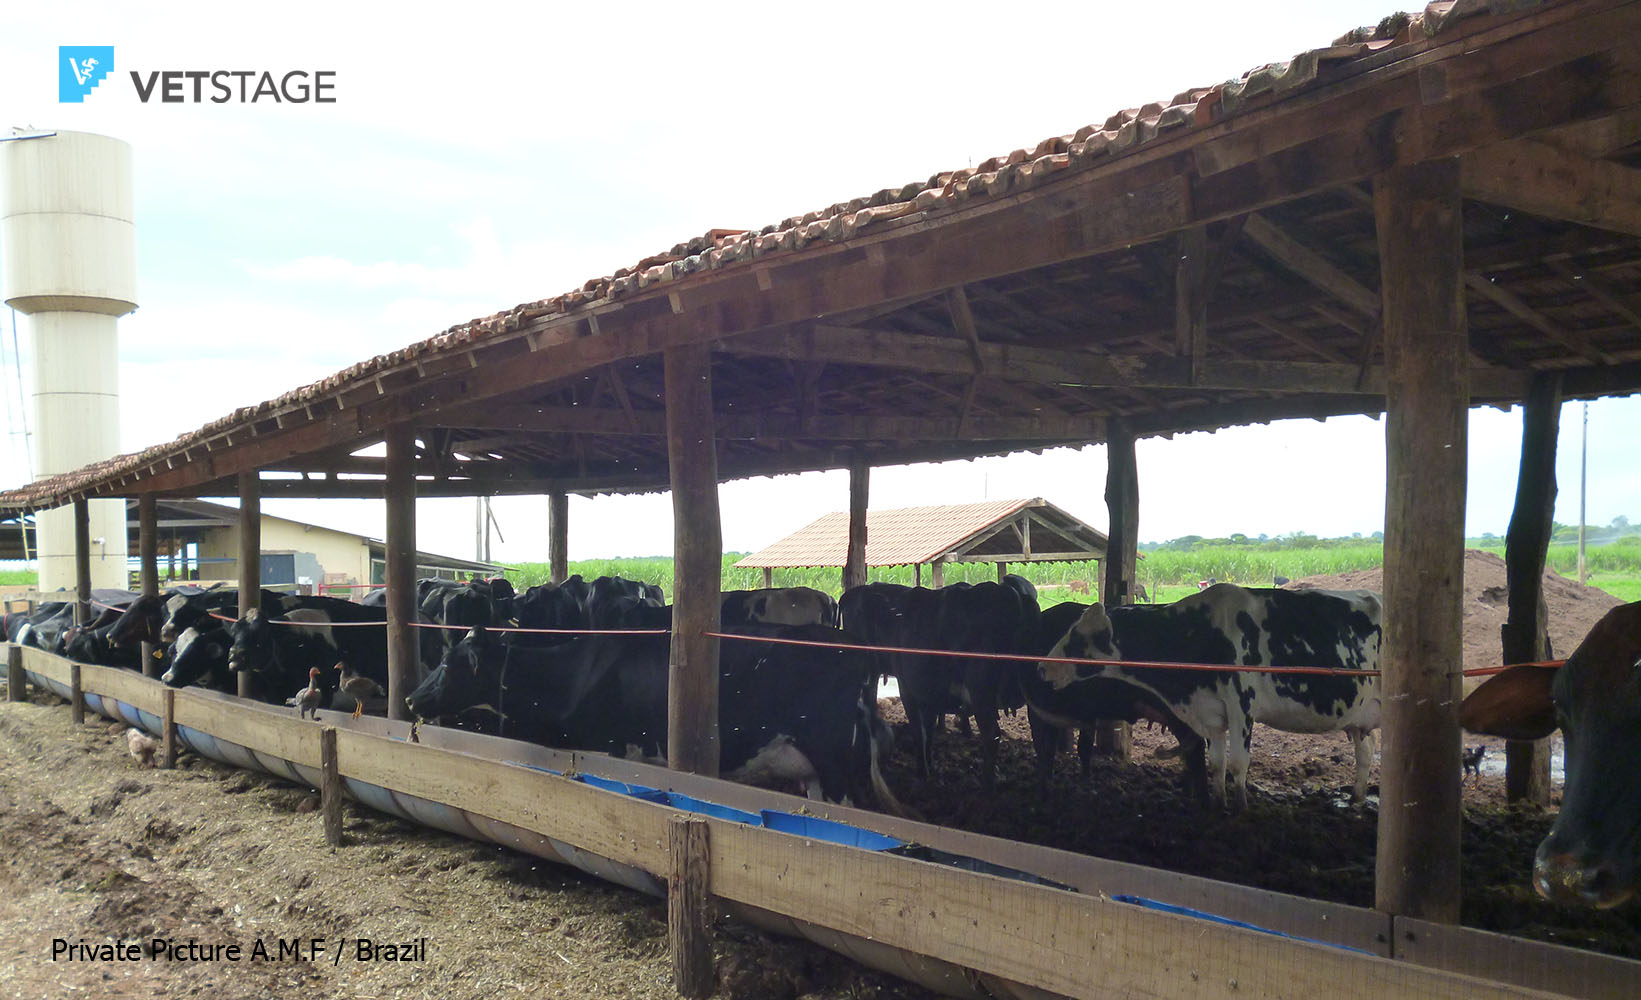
<point>1435,214</point>
<point>198,541</point>
<point>1001,532</point>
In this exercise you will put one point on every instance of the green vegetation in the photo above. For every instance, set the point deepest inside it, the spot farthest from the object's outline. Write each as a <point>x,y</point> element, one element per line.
<point>1168,570</point>
<point>18,577</point>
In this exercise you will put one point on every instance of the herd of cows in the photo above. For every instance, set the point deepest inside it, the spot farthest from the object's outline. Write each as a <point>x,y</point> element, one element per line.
<point>585,666</point>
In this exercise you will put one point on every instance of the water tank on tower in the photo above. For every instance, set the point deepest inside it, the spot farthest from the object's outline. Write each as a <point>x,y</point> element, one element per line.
<point>68,262</point>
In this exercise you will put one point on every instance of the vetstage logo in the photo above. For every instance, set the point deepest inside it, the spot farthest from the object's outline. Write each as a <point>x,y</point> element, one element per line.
<point>80,68</point>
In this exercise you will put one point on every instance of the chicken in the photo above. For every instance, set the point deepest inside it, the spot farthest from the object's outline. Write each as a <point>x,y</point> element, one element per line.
<point>307,699</point>
<point>360,687</point>
<point>143,747</point>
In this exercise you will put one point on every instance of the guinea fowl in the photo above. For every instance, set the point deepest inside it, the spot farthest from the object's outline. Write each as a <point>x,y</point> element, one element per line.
<point>307,699</point>
<point>360,687</point>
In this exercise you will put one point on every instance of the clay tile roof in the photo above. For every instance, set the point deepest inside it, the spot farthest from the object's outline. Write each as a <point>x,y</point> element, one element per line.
<point>946,191</point>
<point>910,535</point>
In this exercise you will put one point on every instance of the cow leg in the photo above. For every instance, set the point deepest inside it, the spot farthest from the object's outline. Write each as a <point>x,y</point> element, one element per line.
<point>1085,749</point>
<point>1045,742</point>
<point>1362,740</point>
<point>922,721</point>
<point>1216,767</point>
<point>1239,743</point>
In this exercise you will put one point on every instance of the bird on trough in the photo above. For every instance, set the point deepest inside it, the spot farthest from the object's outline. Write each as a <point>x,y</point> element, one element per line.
<point>143,747</point>
<point>360,687</point>
<point>307,699</point>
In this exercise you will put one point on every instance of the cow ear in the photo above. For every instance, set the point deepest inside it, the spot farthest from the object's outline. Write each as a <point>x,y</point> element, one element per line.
<point>1516,704</point>
<point>1094,621</point>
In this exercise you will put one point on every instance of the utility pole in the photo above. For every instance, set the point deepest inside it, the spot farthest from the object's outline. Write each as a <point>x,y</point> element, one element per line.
<point>1583,482</point>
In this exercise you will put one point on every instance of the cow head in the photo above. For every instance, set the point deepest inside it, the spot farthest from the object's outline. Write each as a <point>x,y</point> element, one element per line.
<point>466,676</point>
<point>252,645</point>
<point>140,623</point>
<point>1091,637</point>
<point>196,655</point>
<point>1592,855</point>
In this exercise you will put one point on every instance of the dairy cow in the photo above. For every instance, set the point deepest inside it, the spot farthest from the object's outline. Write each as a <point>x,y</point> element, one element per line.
<point>1592,855</point>
<point>779,606</point>
<point>1227,624</point>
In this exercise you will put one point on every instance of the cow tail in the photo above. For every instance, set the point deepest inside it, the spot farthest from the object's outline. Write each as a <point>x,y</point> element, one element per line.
<point>886,800</point>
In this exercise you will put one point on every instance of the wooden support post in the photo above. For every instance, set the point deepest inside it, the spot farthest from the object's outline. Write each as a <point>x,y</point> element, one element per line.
<point>16,679</point>
<point>1122,502</point>
<point>1191,299</point>
<point>1421,256</point>
<point>937,573</point>
<point>168,730</point>
<point>76,695</point>
<point>698,550</point>
<point>82,562</point>
<point>1525,634</point>
<point>558,537</point>
<point>400,576</point>
<point>330,787</point>
<point>917,574</point>
<point>250,557</point>
<point>148,569</point>
<point>1002,570</point>
<point>689,907</point>
<point>769,577</point>
<point>854,563</point>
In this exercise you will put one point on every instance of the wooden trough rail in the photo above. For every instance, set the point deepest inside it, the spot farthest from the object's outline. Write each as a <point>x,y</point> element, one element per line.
<point>1014,937</point>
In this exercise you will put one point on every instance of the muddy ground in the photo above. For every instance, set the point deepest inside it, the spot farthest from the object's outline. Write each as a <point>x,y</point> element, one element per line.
<point>97,848</point>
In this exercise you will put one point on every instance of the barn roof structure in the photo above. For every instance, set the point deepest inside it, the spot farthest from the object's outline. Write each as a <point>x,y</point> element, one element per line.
<point>1006,531</point>
<point>1030,300</point>
<point>1440,211</point>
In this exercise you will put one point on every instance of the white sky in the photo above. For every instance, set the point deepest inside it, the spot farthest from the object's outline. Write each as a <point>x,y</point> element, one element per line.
<point>480,155</point>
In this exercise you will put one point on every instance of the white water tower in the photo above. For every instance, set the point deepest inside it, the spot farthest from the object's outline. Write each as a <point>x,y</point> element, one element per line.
<point>68,262</point>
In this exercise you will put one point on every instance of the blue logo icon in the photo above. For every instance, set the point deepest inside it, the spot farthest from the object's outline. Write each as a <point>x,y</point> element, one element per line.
<point>80,68</point>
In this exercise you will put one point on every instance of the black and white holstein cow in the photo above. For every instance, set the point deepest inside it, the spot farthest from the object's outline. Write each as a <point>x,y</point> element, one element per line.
<point>200,656</point>
<point>1592,855</point>
<point>280,654</point>
<point>787,715</point>
<point>779,606</point>
<point>1227,624</point>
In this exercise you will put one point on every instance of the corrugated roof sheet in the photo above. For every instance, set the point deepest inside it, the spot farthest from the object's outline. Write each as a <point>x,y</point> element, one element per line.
<point>894,537</point>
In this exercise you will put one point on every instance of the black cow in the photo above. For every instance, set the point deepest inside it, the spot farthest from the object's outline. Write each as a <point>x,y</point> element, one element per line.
<point>779,606</point>
<point>193,608</point>
<point>786,713</point>
<point>1227,624</point>
<point>43,628</point>
<point>984,618</point>
<point>1592,855</point>
<point>560,606</point>
<point>610,597</point>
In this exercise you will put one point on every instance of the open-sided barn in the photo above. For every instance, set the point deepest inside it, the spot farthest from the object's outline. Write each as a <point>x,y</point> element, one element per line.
<point>1442,213</point>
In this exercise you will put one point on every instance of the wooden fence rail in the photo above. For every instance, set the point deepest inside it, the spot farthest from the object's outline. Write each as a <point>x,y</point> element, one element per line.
<point>1019,938</point>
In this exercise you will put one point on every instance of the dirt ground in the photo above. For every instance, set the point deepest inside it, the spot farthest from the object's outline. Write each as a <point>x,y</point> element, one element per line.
<point>96,850</point>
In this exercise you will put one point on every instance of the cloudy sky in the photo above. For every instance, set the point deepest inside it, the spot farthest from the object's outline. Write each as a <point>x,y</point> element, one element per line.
<point>480,155</point>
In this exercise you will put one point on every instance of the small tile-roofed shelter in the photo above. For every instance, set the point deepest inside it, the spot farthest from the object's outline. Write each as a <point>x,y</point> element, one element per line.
<point>999,531</point>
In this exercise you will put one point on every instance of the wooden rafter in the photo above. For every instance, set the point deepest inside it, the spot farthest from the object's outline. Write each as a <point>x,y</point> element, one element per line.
<point>1536,177</point>
<point>1513,304</point>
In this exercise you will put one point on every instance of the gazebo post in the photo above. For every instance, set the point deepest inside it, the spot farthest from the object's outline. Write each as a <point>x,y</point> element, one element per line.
<point>1420,221</point>
<point>854,563</point>
<point>250,557</point>
<point>399,550</point>
<point>692,687</point>
<point>1122,501</point>
<point>558,537</point>
<point>1524,635</point>
<point>148,563</point>
<point>937,573</point>
<point>769,577</point>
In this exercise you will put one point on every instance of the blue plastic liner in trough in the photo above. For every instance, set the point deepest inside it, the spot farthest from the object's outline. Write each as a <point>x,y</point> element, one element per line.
<point>963,861</point>
<point>1186,911</point>
<point>829,830</point>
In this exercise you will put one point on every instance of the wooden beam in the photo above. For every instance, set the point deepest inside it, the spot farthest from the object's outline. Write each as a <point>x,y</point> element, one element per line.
<point>1525,633</point>
<point>403,662</point>
<point>1191,300</point>
<point>689,907</point>
<point>558,536</point>
<point>250,559</point>
<point>1597,289</point>
<point>82,562</point>
<point>1310,265</point>
<point>698,551</point>
<point>148,570</point>
<point>1537,177</point>
<point>1512,303</point>
<point>16,678</point>
<point>854,563</point>
<point>1420,222</point>
<point>330,786</point>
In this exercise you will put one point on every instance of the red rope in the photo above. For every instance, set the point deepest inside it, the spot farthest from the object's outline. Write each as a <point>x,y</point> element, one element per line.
<point>462,628</point>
